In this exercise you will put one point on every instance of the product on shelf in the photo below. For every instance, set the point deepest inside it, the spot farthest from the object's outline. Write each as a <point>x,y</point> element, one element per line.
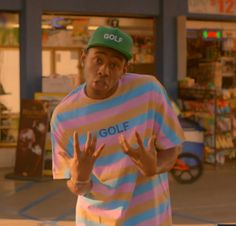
<point>212,110</point>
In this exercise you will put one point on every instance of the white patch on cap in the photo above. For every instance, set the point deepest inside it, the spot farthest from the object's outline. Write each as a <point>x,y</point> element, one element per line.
<point>113,37</point>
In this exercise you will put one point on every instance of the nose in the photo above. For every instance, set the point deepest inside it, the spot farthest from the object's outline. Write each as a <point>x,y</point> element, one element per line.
<point>103,70</point>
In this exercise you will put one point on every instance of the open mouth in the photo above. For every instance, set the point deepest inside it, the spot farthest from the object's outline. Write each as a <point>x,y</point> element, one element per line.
<point>100,84</point>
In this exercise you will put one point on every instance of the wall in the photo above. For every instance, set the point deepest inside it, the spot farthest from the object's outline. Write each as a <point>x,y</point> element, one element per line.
<point>167,43</point>
<point>118,7</point>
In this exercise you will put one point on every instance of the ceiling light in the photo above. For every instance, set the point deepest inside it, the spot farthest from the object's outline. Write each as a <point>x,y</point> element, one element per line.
<point>92,28</point>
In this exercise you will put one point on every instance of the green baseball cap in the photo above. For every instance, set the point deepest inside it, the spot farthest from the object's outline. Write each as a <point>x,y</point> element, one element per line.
<point>113,38</point>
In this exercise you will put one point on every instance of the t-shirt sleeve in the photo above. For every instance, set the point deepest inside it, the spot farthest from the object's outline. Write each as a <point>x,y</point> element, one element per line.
<point>169,132</point>
<point>60,168</point>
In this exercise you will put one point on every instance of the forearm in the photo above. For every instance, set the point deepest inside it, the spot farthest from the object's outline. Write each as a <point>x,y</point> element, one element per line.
<point>167,158</point>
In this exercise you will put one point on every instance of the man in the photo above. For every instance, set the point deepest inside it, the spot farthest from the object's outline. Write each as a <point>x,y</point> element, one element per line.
<point>105,134</point>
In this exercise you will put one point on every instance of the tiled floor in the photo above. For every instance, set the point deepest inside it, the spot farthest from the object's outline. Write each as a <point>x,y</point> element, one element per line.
<point>209,201</point>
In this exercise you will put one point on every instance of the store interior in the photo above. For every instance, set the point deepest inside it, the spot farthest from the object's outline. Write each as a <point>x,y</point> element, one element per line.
<point>207,94</point>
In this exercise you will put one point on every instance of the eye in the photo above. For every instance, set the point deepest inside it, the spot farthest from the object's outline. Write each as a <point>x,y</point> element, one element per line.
<point>113,65</point>
<point>98,60</point>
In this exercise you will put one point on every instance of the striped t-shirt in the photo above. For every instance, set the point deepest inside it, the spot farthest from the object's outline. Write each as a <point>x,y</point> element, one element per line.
<point>120,195</point>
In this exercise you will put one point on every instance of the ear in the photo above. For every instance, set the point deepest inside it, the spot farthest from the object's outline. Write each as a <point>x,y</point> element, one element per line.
<point>82,57</point>
<point>125,69</point>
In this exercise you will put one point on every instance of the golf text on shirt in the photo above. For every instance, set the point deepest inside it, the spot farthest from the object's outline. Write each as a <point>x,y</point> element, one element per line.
<point>118,128</point>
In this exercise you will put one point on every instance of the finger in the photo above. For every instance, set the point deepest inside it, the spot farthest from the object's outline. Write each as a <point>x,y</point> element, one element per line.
<point>135,160</point>
<point>139,141</point>
<point>98,151</point>
<point>133,153</point>
<point>88,141</point>
<point>151,143</point>
<point>93,143</point>
<point>124,144</point>
<point>155,144</point>
<point>76,145</point>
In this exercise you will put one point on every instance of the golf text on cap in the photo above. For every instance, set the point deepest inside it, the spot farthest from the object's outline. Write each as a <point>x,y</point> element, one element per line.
<point>113,37</point>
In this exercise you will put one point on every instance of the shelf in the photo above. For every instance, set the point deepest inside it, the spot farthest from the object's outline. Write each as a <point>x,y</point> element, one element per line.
<point>226,114</point>
<point>9,115</point>
<point>223,132</point>
<point>224,149</point>
<point>202,105</point>
<point>228,75</point>
<point>8,128</point>
<point>8,144</point>
<point>5,116</point>
<point>196,93</point>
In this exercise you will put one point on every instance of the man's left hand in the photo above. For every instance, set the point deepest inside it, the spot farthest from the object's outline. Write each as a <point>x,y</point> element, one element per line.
<point>145,159</point>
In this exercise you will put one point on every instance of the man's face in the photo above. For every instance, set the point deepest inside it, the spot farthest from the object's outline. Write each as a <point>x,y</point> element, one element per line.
<point>103,67</point>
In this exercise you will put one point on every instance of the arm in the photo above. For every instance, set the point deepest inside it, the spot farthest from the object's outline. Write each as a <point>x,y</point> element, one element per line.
<point>79,189</point>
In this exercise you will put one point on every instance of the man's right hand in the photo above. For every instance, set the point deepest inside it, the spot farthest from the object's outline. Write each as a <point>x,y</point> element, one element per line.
<point>82,162</point>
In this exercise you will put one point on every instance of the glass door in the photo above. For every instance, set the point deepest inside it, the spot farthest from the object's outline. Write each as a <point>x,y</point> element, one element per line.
<point>9,78</point>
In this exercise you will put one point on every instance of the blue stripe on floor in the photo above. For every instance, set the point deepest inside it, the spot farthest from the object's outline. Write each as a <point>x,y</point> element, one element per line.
<point>24,186</point>
<point>70,212</point>
<point>23,211</point>
<point>41,199</point>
